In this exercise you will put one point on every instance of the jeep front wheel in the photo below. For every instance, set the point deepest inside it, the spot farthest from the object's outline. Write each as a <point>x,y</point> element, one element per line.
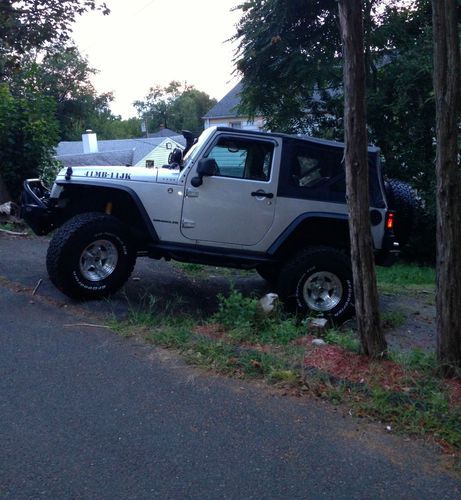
<point>319,281</point>
<point>90,256</point>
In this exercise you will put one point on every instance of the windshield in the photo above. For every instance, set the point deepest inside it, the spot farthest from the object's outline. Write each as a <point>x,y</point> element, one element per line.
<point>201,140</point>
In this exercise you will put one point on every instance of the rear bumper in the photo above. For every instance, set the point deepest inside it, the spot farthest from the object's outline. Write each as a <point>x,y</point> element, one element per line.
<point>35,207</point>
<point>390,251</point>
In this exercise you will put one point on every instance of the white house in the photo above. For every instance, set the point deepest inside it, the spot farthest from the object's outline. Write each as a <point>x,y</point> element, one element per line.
<point>224,113</point>
<point>145,152</point>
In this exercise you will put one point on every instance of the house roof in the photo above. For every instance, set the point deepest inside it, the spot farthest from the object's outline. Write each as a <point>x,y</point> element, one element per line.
<point>113,158</point>
<point>117,148</point>
<point>226,106</point>
<point>164,132</point>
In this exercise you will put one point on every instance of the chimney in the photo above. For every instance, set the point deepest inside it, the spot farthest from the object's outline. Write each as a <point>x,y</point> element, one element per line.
<point>90,142</point>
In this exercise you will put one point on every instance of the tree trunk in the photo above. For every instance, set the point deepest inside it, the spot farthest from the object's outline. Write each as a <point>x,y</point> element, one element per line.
<point>446,87</point>
<point>357,185</point>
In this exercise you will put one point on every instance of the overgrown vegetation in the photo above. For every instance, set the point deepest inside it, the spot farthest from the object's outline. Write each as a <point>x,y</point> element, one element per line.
<point>404,277</point>
<point>240,341</point>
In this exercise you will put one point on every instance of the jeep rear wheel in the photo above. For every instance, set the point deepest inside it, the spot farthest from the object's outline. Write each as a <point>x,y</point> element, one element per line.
<point>90,256</point>
<point>319,281</point>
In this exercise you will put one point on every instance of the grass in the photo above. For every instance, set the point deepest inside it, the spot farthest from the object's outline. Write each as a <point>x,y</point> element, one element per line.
<point>392,319</point>
<point>347,340</point>
<point>245,321</point>
<point>403,277</point>
<point>201,271</point>
<point>11,226</point>
<point>424,410</point>
<point>240,341</point>
<point>192,270</point>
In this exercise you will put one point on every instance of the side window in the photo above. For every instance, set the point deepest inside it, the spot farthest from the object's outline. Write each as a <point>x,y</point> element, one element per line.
<point>314,168</point>
<point>243,158</point>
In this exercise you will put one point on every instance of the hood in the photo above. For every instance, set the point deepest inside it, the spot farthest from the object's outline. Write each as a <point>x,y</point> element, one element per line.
<point>117,174</point>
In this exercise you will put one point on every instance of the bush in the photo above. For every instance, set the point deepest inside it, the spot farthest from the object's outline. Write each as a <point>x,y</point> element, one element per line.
<point>28,135</point>
<point>245,321</point>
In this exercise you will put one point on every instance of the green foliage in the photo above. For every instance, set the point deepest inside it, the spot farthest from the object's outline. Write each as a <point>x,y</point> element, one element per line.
<point>392,319</point>
<point>417,359</point>
<point>237,311</point>
<point>32,26</point>
<point>65,76</point>
<point>403,274</point>
<point>175,106</point>
<point>245,321</point>
<point>425,410</point>
<point>290,58</point>
<point>420,406</point>
<point>28,133</point>
<point>287,50</point>
<point>45,93</point>
<point>347,340</point>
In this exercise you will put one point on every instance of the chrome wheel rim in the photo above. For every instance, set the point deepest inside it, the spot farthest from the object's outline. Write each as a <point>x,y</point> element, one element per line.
<point>322,291</point>
<point>98,260</point>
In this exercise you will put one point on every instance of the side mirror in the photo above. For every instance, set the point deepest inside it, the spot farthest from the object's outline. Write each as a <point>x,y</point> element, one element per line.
<point>205,167</point>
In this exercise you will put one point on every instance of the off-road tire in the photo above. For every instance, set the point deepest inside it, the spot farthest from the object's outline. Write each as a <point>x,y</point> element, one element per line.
<point>401,199</point>
<point>328,269</point>
<point>65,260</point>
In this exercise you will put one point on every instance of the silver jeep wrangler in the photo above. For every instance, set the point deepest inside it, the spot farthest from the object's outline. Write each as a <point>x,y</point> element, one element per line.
<point>253,200</point>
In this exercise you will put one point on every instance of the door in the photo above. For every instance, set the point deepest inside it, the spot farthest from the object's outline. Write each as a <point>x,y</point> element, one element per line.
<point>237,205</point>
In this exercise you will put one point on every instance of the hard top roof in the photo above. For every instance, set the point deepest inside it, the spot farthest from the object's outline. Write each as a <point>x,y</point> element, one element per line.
<point>304,138</point>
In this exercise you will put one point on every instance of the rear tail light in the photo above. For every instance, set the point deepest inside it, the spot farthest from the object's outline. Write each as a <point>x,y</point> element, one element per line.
<point>390,220</point>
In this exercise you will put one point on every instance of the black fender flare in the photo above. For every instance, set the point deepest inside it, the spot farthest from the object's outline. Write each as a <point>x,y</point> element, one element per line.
<point>106,186</point>
<point>278,245</point>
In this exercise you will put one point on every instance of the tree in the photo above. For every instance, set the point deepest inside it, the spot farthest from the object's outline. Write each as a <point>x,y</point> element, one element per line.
<point>357,191</point>
<point>30,30</point>
<point>30,26</point>
<point>446,87</point>
<point>176,106</point>
<point>288,56</point>
<point>65,76</point>
<point>28,132</point>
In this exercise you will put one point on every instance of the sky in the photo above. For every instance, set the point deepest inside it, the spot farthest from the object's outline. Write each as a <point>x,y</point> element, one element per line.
<point>142,43</point>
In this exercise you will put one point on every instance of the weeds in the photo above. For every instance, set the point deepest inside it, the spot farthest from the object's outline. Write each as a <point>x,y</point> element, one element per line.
<point>246,322</point>
<point>416,360</point>
<point>423,411</point>
<point>191,269</point>
<point>249,343</point>
<point>405,277</point>
<point>392,319</point>
<point>347,340</point>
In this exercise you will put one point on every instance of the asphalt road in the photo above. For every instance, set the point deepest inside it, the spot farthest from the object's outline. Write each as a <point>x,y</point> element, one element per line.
<point>87,414</point>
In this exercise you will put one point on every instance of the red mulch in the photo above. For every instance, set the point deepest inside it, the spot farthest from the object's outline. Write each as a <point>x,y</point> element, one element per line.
<point>346,365</point>
<point>357,368</point>
<point>454,388</point>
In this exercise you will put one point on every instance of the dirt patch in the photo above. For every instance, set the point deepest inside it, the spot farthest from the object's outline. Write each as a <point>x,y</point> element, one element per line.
<point>417,329</point>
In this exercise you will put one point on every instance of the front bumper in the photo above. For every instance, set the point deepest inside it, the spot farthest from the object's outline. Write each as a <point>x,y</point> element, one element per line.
<point>36,208</point>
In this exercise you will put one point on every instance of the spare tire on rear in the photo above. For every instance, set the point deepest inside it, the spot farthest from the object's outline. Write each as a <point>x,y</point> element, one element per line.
<point>401,200</point>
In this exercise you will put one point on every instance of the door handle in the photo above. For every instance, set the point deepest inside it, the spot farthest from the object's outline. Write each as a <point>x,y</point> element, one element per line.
<point>262,194</point>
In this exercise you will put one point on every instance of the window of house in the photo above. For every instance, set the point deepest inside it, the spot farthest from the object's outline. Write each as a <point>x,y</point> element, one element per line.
<point>243,158</point>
